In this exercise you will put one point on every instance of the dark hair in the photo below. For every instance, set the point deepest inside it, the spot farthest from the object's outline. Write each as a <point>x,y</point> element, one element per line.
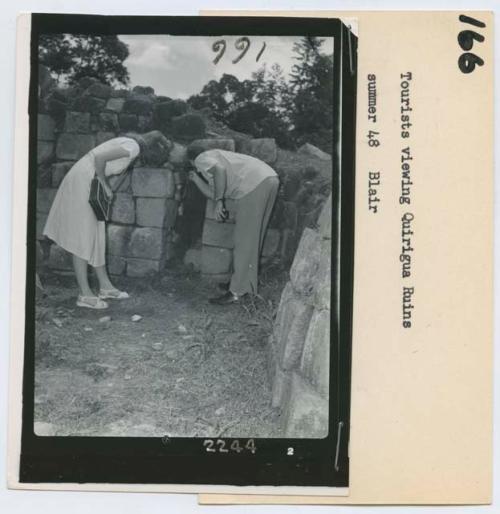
<point>193,150</point>
<point>154,147</point>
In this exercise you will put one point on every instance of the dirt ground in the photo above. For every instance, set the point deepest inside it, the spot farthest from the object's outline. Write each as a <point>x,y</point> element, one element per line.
<point>187,368</point>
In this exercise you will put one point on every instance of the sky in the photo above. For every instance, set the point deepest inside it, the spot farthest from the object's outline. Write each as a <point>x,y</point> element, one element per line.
<point>179,66</point>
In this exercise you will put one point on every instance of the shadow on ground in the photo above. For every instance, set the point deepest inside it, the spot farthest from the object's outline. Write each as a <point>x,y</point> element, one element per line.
<point>187,368</point>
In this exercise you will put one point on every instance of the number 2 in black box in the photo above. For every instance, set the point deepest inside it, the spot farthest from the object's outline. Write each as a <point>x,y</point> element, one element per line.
<point>467,61</point>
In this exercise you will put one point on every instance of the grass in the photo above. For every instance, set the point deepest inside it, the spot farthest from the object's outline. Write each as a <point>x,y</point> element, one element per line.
<point>187,368</point>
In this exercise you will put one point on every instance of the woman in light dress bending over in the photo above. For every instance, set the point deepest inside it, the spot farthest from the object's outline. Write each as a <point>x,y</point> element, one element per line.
<point>72,223</point>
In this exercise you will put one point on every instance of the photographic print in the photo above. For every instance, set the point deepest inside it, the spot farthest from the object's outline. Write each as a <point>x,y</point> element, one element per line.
<point>190,251</point>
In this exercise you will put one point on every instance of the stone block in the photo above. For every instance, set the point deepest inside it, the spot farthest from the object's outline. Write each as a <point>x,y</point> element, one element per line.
<point>44,152</point>
<point>231,207</point>
<point>215,260</point>
<point>166,110</point>
<point>188,127</point>
<point>271,242</point>
<point>291,338</point>
<point>144,123</point>
<point>287,295</point>
<point>118,238</point>
<point>99,90</point>
<point>218,234</point>
<point>59,258</point>
<point>315,361</point>
<point>271,358</point>
<point>325,219</point>
<point>108,122</point>
<point>128,122</point>
<point>306,413</point>
<point>102,137</point>
<point>115,104</point>
<point>123,209</point>
<point>178,155</point>
<point>281,386</point>
<point>192,258</point>
<point>151,212</point>
<point>143,90</point>
<point>41,219</point>
<point>323,280</point>
<point>211,144</point>
<point>77,122</point>
<point>147,243</point>
<point>119,93</point>
<point>46,127</point>
<point>125,184</point>
<point>306,262</point>
<point>138,104</point>
<point>44,176</point>
<point>44,199</point>
<point>59,170</point>
<point>264,149</point>
<point>70,147</point>
<point>86,103</point>
<point>143,267</point>
<point>313,151</point>
<point>153,182</point>
<point>116,265</point>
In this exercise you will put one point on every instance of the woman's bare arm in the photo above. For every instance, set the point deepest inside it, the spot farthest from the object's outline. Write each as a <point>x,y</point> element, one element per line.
<point>102,158</point>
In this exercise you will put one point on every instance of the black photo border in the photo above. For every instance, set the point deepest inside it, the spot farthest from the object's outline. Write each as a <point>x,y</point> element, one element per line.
<point>137,460</point>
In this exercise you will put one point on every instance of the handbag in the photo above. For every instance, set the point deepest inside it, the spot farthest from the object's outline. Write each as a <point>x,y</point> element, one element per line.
<point>99,200</point>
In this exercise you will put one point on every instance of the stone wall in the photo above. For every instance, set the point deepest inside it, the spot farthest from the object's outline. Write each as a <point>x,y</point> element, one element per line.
<point>74,120</point>
<point>299,348</point>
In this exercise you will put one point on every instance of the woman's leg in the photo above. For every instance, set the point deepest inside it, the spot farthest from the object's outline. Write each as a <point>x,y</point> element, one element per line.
<point>102,276</point>
<point>81,266</point>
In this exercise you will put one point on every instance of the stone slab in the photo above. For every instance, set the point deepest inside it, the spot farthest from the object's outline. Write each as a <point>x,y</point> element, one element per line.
<point>44,152</point>
<point>44,199</point>
<point>118,238</point>
<point>306,262</point>
<point>45,128</point>
<point>77,122</point>
<point>306,413</point>
<point>315,361</point>
<point>151,212</point>
<point>70,147</point>
<point>143,267</point>
<point>215,261</point>
<point>218,234</point>
<point>153,182</point>
<point>123,209</point>
<point>147,243</point>
<point>59,170</point>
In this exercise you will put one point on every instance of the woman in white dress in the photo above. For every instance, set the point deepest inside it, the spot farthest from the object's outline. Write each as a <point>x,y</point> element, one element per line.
<point>72,223</point>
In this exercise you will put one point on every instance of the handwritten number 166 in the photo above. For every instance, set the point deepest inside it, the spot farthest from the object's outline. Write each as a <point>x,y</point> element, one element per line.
<point>242,44</point>
<point>467,61</point>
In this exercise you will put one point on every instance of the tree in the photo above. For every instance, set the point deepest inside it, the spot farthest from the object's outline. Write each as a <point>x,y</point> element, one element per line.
<point>311,80</point>
<point>252,106</point>
<point>70,57</point>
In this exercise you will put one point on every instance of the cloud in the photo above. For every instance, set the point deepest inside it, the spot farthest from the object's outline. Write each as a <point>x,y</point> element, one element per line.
<point>179,66</point>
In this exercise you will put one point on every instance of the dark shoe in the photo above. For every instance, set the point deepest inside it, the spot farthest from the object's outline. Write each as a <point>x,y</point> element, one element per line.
<point>225,299</point>
<point>224,286</point>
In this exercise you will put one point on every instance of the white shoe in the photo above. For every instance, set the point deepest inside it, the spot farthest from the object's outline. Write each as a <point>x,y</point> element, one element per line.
<point>91,302</point>
<point>114,294</point>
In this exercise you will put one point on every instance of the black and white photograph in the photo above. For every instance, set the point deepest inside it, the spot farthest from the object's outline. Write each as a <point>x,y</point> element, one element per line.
<point>190,243</point>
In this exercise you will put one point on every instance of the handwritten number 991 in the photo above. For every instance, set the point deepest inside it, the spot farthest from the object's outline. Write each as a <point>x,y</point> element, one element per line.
<point>467,61</point>
<point>242,44</point>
